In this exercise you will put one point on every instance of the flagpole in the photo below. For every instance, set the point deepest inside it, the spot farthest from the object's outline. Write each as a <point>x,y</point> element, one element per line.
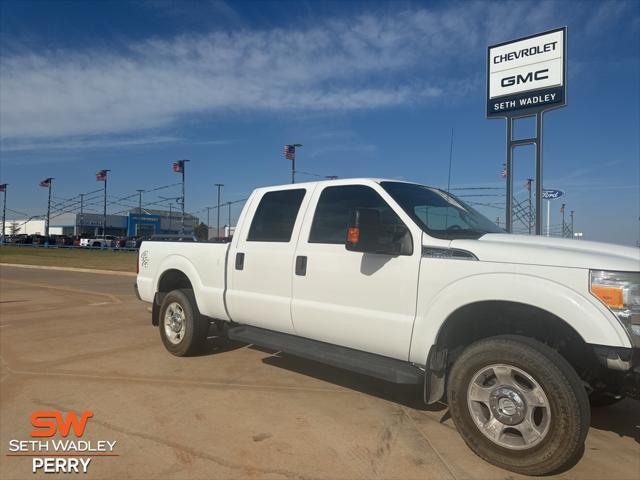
<point>46,228</point>
<point>81,213</point>
<point>104,208</point>
<point>4,211</point>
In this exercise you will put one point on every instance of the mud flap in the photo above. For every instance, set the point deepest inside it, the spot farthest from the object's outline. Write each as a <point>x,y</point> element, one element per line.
<point>435,375</point>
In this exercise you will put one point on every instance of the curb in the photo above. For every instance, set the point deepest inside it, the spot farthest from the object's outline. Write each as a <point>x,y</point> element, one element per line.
<point>69,269</point>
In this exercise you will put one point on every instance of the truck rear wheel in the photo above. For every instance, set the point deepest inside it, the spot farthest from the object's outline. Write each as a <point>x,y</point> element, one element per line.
<point>182,328</point>
<point>518,404</point>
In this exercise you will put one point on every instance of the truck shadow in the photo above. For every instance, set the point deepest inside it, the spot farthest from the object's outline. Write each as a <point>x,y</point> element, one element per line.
<point>623,419</point>
<point>407,395</point>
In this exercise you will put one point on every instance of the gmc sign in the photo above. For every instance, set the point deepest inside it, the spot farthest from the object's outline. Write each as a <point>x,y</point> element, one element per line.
<point>527,75</point>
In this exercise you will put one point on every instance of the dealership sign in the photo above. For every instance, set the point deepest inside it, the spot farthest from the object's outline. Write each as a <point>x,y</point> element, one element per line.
<point>527,75</point>
<point>549,194</point>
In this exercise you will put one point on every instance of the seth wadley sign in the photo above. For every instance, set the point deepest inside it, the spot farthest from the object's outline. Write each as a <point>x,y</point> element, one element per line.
<point>527,75</point>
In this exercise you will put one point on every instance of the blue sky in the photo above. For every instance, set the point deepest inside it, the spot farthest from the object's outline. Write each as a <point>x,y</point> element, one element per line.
<point>370,89</point>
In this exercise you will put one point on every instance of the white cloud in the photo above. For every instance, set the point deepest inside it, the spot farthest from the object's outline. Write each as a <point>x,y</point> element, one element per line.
<point>73,143</point>
<point>363,62</point>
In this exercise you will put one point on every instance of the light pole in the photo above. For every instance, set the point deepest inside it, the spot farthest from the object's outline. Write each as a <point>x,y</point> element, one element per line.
<point>101,176</point>
<point>3,189</point>
<point>179,167</point>
<point>229,205</point>
<point>47,182</point>
<point>219,185</point>
<point>140,192</point>
<point>563,222</point>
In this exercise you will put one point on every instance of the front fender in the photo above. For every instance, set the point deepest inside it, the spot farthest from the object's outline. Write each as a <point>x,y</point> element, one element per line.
<point>586,315</point>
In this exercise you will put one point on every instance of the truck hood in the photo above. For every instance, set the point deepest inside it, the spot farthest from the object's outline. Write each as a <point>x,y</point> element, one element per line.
<point>559,252</point>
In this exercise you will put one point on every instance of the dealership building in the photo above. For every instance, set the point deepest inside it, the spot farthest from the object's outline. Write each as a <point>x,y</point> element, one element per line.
<point>148,222</point>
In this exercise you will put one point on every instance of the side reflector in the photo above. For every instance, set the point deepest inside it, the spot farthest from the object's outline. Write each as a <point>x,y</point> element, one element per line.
<point>353,235</point>
<point>611,296</point>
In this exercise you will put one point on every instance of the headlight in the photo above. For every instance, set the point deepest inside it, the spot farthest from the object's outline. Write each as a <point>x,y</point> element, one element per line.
<point>620,291</point>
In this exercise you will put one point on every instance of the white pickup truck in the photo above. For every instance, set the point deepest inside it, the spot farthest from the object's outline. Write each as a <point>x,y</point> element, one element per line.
<point>404,282</point>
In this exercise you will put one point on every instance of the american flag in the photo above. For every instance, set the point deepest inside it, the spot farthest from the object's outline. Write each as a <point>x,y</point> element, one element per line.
<point>3,187</point>
<point>46,182</point>
<point>503,174</point>
<point>101,175</point>
<point>290,152</point>
<point>527,184</point>
<point>178,166</point>
<point>562,208</point>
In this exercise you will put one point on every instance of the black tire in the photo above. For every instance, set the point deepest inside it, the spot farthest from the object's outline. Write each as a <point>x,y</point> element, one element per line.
<point>196,327</point>
<point>602,399</point>
<point>568,404</point>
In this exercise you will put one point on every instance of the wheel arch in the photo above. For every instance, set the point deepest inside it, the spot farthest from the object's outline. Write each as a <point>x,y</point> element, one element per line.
<point>176,273</point>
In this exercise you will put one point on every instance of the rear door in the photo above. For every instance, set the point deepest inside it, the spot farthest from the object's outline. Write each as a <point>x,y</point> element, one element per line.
<point>359,300</point>
<point>261,264</point>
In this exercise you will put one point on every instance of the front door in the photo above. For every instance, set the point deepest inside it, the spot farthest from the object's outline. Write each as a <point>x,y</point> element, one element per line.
<point>359,300</point>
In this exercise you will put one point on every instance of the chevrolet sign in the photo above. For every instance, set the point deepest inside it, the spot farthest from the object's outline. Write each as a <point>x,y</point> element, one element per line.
<point>527,75</point>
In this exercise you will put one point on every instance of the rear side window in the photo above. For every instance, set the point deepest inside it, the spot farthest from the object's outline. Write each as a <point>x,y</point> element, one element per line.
<point>275,216</point>
<point>335,207</point>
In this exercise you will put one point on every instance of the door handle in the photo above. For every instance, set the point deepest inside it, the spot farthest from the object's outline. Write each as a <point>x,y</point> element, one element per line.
<point>301,265</point>
<point>239,261</point>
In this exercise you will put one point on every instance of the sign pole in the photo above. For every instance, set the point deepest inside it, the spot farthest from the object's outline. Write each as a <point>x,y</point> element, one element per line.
<point>182,202</point>
<point>548,217</point>
<point>508,224</point>
<point>539,173</point>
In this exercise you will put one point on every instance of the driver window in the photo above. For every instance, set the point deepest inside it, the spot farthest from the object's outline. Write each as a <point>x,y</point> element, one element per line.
<point>334,209</point>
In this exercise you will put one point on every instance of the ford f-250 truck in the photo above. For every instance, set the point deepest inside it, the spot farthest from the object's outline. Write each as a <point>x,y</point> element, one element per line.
<point>407,283</point>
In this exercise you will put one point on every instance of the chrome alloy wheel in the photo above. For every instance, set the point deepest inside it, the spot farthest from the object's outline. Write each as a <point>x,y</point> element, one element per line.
<point>508,406</point>
<point>174,323</point>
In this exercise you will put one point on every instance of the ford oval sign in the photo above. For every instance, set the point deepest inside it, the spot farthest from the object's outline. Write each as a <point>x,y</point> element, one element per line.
<point>551,194</point>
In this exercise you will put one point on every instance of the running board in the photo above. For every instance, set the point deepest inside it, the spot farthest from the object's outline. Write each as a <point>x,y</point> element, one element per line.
<point>385,368</point>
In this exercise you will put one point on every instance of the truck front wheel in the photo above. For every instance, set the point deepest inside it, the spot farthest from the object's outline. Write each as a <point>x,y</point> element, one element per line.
<point>518,404</point>
<point>182,328</point>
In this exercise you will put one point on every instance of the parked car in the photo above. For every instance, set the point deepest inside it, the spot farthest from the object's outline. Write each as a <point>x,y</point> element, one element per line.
<point>409,284</point>
<point>22,239</point>
<point>64,241</point>
<point>98,242</point>
<point>43,241</point>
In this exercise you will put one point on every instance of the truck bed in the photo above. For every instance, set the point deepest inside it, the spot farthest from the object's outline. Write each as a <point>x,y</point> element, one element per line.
<point>204,264</point>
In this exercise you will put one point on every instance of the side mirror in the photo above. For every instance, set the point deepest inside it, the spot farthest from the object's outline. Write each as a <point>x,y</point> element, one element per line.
<point>366,234</point>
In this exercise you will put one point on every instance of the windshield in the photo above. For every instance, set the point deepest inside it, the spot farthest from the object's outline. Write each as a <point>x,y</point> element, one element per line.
<point>438,213</point>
